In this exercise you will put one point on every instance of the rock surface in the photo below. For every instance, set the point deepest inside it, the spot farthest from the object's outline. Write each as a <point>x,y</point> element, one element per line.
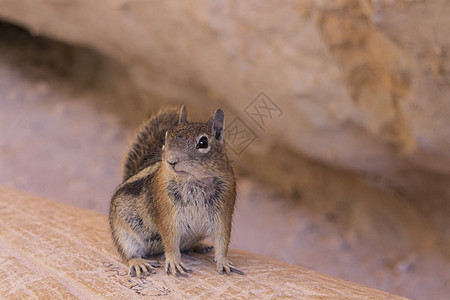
<point>63,252</point>
<point>355,85</point>
<point>67,115</point>
<point>359,85</point>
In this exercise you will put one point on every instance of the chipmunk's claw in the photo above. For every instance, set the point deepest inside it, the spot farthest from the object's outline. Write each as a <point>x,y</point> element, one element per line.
<point>140,267</point>
<point>176,267</point>
<point>227,267</point>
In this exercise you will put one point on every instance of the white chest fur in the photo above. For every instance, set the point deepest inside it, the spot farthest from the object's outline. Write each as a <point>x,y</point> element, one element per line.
<point>195,216</point>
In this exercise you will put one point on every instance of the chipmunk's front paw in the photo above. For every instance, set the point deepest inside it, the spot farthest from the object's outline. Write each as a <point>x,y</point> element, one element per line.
<point>223,265</point>
<point>176,267</point>
<point>141,267</point>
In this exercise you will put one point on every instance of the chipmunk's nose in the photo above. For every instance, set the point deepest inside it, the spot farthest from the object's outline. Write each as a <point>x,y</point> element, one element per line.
<point>172,159</point>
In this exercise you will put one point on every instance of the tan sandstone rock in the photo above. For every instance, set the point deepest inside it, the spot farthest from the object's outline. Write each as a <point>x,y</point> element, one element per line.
<point>357,85</point>
<point>51,250</point>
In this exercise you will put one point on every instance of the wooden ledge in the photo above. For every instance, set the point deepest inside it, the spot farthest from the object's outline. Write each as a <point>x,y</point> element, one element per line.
<point>50,250</point>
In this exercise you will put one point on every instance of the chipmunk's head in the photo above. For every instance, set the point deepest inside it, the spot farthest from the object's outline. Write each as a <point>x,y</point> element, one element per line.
<point>195,150</point>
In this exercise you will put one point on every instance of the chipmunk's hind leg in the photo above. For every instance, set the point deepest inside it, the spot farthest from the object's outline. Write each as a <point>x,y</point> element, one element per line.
<point>202,248</point>
<point>133,250</point>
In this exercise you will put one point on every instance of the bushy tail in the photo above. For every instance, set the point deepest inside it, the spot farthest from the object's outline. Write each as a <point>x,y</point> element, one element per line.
<point>146,149</point>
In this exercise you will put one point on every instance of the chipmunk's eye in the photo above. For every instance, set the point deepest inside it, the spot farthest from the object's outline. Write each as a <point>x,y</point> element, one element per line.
<point>202,143</point>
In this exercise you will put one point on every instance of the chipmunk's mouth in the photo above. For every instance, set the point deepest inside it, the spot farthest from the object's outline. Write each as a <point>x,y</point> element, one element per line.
<point>178,170</point>
<point>186,172</point>
<point>182,173</point>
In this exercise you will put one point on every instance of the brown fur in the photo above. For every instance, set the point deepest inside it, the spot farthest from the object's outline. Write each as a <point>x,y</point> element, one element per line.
<point>178,188</point>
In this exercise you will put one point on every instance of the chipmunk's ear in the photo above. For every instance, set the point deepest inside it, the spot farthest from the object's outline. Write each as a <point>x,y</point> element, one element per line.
<point>183,115</point>
<point>217,123</point>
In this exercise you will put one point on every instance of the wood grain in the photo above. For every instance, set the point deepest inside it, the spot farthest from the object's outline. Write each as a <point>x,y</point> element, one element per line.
<point>50,250</point>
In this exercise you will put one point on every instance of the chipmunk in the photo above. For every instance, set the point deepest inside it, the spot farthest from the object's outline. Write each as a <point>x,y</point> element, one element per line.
<point>178,188</point>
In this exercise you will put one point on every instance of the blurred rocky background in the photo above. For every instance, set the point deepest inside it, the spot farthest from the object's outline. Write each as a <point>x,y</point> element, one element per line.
<point>338,118</point>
